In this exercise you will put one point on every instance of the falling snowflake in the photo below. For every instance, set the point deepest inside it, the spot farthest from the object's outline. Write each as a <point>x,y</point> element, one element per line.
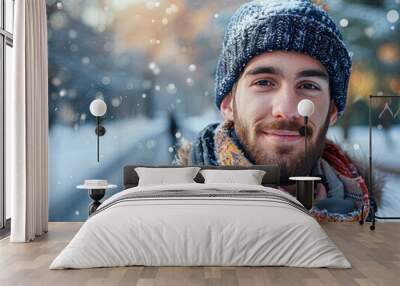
<point>369,31</point>
<point>192,68</point>
<point>63,92</point>
<point>157,71</point>
<point>171,88</point>
<point>344,22</point>
<point>85,60</point>
<point>190,81</point>
<point>144,95</point>
<point>116,102</point>
<point>392,16</point>
<point>72,34</point>
<point>154,68</point>
<point>60,5</point>
<point>152,65</point>
<point>56,81</point>
<point>106,80</point>
<point>58,20</point>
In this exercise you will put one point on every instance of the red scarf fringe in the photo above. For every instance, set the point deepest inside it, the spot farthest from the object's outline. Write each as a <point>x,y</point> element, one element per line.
<point>342,164</point>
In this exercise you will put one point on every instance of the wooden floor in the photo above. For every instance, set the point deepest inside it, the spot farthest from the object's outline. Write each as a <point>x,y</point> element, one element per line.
<point>375,257</point>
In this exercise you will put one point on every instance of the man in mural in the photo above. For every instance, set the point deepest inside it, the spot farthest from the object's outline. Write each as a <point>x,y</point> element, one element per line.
<point>274,54</point>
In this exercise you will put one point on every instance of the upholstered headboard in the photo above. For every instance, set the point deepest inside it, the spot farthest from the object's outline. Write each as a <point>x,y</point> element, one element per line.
<point>270,179</point>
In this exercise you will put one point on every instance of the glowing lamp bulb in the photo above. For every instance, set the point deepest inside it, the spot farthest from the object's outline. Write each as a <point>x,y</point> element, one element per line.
<point>98,107</point>
<point>305,107</point>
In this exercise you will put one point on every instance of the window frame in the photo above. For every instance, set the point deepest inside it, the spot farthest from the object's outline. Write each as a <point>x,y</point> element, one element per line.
<point>6,39</point>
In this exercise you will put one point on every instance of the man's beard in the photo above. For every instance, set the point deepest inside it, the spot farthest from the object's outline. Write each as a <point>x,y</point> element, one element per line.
<point>291,164</point>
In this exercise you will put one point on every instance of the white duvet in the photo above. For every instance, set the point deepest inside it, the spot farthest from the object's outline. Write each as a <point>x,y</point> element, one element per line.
<point>203,231</point>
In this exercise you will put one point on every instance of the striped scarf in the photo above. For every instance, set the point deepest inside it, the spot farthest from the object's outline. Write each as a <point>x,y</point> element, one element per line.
<point>217,145</point>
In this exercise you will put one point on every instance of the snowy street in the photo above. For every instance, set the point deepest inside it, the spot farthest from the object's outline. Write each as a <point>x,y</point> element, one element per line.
<point>72,158</point>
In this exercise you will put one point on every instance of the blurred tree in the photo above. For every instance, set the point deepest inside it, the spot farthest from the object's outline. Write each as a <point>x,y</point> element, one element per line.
<point>373,35</point>
<point>82,66</point>
<point>149,56</point>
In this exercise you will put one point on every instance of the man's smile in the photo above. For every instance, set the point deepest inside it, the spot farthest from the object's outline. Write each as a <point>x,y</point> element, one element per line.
<point>283,135</point>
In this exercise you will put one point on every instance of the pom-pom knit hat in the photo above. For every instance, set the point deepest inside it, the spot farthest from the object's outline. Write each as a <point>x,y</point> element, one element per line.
<point>288,25</point>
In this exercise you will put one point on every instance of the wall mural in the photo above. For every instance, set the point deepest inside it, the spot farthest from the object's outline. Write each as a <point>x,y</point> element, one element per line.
<point>154,64</point>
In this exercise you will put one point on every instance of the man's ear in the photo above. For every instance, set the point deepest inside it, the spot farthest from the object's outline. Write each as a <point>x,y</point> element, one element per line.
<point>333,114</point>
<point>227,107</point>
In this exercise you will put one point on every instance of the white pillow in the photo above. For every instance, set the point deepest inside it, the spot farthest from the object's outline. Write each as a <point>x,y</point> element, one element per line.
<point>162,176</point>
<point>249,177</point>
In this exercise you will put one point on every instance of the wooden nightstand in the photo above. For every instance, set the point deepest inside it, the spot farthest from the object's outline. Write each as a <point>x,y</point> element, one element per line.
<point>305,190</point>
<point>96,193</point>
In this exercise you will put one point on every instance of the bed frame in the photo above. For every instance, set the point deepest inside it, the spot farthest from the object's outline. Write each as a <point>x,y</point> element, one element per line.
<point>270,179</point>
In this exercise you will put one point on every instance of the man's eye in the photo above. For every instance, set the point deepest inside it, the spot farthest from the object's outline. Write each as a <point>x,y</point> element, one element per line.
<point>264,82</point>
<point>309,86</point>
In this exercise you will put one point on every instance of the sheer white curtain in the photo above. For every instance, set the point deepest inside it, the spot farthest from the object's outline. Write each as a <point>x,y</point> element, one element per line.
<point>27,124</point>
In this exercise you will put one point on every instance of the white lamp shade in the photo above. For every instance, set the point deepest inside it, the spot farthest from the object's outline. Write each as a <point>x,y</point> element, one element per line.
<point>305,107</point>
<point>98,107</point>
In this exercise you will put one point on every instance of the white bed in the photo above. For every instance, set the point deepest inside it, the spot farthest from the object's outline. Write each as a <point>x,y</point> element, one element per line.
<point>248,226</point>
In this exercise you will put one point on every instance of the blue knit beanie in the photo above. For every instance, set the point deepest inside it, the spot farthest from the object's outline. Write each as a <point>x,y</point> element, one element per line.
<point>289,25</point>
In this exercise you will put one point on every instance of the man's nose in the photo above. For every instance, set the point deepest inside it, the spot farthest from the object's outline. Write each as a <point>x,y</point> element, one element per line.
<point>285,104</point>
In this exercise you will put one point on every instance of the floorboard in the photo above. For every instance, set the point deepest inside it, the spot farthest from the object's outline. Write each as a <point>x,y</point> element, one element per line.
<point>374,255</point>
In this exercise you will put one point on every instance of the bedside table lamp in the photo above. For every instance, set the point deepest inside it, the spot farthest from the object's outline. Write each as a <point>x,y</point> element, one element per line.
<point>98,108</point>
<point>305,109</point>
<point>305,185</point>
